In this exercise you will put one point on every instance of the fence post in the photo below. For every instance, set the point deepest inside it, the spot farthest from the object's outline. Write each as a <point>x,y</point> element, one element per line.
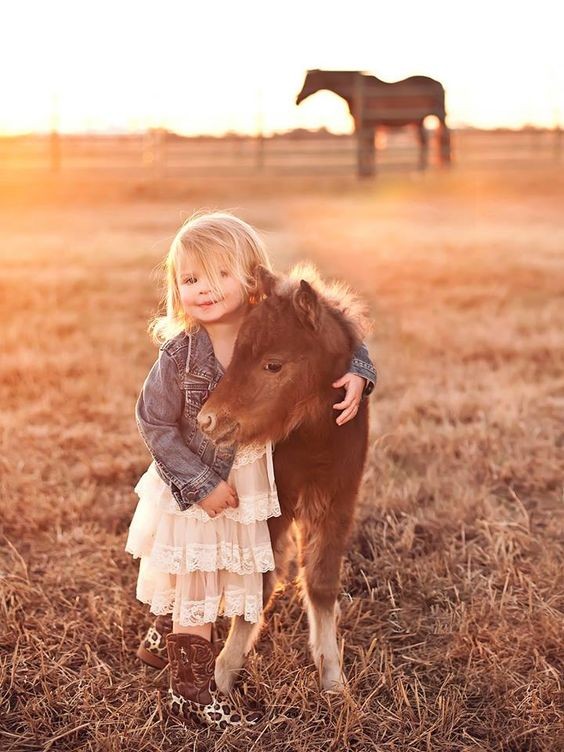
<point>55,137</point>
<point>365,152</point>
<point>259,164</point>
<point>557,143</point>
<point>55,150</point>
<point>259,153</point>
<point>159,146</point>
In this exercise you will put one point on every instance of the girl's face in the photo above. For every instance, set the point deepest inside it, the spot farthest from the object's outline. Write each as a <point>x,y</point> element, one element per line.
<point>196,294</point>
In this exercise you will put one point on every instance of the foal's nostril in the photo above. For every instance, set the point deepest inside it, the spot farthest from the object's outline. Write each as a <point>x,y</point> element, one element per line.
<point>206,421</point>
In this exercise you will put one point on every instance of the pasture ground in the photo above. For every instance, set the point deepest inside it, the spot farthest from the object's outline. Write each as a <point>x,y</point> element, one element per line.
<point>452,594</point>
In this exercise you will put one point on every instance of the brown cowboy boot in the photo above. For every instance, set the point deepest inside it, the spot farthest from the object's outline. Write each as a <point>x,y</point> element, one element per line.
<point>192,693</point>
<point>152,649</point>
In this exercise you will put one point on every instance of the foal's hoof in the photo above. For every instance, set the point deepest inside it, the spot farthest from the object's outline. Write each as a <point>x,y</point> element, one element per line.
<point>225,675</point>
<point>333,681</point>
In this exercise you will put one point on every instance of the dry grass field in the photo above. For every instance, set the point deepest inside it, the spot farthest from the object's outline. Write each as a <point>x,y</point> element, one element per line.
<point>452,597</point>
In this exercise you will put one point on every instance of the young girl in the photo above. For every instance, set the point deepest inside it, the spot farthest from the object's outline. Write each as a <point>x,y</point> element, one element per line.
<point>200,527</point>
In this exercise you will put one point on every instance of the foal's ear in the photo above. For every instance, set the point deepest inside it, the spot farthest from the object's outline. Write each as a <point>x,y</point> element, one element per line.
<point>306,304</point>
<point>264,281</point>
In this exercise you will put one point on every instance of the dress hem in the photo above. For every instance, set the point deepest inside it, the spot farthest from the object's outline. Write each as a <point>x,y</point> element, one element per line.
<point>196,613</point>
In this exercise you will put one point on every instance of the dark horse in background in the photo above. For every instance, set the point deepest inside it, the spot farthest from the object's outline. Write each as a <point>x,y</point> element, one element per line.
<point>373,103</point>
<point>290,348</point>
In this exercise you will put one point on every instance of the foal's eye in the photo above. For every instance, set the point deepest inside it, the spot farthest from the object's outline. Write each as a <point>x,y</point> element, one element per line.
<point>273,367</point>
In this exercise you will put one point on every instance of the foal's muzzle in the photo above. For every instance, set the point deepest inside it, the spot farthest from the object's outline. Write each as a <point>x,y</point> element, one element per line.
<point>207,421</point>
<point>221,430</point>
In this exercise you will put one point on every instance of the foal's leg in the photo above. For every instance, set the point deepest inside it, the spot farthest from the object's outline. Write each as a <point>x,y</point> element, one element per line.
<point>243,634</point>
<point>321,551</point>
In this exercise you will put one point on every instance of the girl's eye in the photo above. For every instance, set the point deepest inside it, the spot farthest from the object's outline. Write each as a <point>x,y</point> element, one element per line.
<point>273,367</point>
<point>189,280</point>
<point>224,274</point>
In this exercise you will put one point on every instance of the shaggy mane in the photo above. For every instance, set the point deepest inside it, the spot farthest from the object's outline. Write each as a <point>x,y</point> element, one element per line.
<point>337,294</point>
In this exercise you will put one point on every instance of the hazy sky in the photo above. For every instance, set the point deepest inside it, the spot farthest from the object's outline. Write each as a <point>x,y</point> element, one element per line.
<point>211,66</point>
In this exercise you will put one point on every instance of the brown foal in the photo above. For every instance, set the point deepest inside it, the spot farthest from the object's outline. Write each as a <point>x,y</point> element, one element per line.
<point>293,344</point>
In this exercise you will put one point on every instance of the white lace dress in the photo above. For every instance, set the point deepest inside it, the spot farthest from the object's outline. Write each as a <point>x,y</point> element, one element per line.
<point>196,567</point>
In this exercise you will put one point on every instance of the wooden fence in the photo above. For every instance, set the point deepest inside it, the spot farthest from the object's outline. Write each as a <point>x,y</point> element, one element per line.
<point>164,155</point>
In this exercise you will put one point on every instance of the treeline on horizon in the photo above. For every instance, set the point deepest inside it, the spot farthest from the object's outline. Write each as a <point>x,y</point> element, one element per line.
<point>295,133</point>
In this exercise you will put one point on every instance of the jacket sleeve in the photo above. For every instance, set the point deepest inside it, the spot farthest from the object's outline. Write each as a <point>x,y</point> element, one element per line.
<point>158,412</point>
<point>363,366</point>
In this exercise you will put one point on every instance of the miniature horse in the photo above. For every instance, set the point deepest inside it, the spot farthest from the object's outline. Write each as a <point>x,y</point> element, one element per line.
<point>292,345</point>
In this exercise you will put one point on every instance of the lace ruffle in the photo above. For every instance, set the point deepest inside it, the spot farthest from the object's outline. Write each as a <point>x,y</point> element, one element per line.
<point>194,613</point>
<point>208,557</point>
<point>198,567</point>
<point>255,507</point>
<point>248,453</point>
<point>251,509</point>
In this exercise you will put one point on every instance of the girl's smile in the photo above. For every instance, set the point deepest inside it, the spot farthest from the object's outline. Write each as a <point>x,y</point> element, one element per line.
<point>201,302</point>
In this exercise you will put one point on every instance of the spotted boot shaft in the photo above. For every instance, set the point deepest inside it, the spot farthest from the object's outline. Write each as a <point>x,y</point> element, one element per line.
<point>192,693</point>
<point>152,649</point>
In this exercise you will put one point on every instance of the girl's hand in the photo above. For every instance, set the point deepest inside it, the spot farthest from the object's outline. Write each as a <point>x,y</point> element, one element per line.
<point>354,387</point>
<point>222,497</point>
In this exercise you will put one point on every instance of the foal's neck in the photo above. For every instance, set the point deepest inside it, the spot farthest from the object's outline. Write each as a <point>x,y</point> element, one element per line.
<point>319,420</point>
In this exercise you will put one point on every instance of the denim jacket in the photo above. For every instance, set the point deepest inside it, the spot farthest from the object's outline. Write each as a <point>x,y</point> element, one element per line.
<point>177,386</point>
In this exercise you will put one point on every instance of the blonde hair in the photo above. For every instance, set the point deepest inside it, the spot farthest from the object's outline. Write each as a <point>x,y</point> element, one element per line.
<point>216,241</point>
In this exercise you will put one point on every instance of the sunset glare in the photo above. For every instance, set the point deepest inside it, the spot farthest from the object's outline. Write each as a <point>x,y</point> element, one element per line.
<point>219,67</point>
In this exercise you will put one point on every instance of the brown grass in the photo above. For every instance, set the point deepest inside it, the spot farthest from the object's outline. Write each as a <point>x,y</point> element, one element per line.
<point>452,602</point>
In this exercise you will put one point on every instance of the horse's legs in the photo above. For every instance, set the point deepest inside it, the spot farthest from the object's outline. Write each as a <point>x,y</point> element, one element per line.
<point>366,151</point>
<point>444,142</point>
<point>423,137</point>
<point>321,552</point>
<point>243,634</point>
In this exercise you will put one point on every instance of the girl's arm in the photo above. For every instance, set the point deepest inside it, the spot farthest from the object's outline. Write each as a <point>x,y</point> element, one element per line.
<point>158,412</point>
<point>358,382</point>
<point>361,365</point>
